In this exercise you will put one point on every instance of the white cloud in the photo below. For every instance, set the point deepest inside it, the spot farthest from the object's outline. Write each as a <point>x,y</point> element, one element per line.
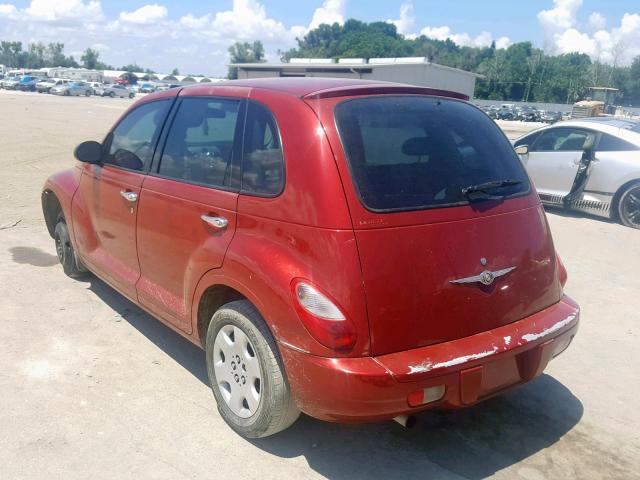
<point>145,15</point>
<point>562,16</point>
<point>484,39</point>
<point>331,11</point>
<point>597,22</point>
<point>564,33</point>
<point>57,10</point>
<point>406,24</point>
<point>7,10</point>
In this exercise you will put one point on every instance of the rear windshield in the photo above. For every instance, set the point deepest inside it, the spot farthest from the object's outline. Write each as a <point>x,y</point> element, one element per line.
<point>416,152</point>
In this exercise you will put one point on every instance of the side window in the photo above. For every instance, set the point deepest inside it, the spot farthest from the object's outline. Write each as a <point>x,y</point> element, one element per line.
<point>262,159</point>
<point>132,142</point>
<point>528,140</point>
<point>609,143</point>
<point>199,147</point>
<point>560,140</point>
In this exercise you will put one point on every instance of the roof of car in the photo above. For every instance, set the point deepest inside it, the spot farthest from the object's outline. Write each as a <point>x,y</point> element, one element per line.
<point>324,87</point>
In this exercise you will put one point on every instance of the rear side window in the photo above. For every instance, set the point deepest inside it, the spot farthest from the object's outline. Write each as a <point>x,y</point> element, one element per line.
<point>262,159</point>
<point>132,142</point>
<point>199,146</point>
<point>609,143</point>
<point>409,152</point>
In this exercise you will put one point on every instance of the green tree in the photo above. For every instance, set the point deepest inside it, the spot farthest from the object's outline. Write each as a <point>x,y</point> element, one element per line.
<point>175,72</point>
<point>245,52</point>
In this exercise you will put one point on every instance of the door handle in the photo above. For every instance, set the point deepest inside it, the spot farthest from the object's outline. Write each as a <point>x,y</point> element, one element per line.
<point>129,196</point>
<point>216,222</point>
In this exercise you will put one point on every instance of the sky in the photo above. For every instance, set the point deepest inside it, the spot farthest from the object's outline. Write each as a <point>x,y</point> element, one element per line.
<point>194,35</point>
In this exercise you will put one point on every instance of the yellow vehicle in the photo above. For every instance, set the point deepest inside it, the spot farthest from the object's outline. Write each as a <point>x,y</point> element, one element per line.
<point>598,104</point>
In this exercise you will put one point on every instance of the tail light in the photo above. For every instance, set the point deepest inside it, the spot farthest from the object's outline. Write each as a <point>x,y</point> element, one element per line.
<point>562,272</point>
<point>322,317</point>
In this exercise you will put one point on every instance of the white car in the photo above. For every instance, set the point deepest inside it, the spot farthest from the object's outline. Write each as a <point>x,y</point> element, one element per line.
<point>114,90</point>
<point>592,165</point>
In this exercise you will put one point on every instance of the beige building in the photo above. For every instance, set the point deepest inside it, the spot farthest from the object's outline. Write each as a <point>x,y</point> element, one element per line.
<point>411,70</point>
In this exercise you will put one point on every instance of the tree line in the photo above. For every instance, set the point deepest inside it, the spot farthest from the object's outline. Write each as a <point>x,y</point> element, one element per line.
<point>39,55</point>
<point>520,72</point>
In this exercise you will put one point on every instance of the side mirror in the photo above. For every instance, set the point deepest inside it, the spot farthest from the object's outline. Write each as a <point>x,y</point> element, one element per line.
<point>522,149</point>
<point>88,152</point>
<point>587,146</point>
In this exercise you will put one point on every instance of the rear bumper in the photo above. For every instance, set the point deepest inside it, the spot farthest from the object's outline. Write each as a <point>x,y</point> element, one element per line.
<point>471,369</point>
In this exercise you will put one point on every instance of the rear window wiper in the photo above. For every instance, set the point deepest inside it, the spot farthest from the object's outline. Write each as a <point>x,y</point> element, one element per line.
<point>485,187</point>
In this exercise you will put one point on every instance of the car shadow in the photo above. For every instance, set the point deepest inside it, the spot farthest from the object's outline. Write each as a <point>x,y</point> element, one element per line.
<point>561,212</point>
<point>33,256</point>
<point>188,355</point>
<point>473,443</point>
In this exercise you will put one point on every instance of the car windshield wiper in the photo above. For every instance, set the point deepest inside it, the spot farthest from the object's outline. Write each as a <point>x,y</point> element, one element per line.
<point>485,187</point>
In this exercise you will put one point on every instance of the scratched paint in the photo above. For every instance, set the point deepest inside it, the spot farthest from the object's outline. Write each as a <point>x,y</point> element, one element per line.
<point>530,337</point>
<point>428,366</point>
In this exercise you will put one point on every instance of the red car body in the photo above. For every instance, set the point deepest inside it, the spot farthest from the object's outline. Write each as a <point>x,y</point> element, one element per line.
<point>391,273</point>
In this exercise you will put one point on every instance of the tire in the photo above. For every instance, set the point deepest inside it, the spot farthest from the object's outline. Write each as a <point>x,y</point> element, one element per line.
<point>71,264</point>
<point>112,94</point>
<point>234,382</point>
<point>67,93</point>
<point>87,93</point>
<point>131,95</point>
<point>628,206</point>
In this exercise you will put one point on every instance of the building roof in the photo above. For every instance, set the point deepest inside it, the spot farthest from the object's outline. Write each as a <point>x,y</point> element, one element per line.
<point>343,64</point>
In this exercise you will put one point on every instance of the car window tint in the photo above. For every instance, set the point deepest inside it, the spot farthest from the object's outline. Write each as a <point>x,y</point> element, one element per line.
<point>199,147</point>
<point>262,160</point>
<point>560,140</point>
<point>408,152</point>
<point>133,140</point>
<point>609,143</point>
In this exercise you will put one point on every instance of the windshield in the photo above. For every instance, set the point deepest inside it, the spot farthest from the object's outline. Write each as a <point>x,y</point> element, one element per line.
<point>415,152</point>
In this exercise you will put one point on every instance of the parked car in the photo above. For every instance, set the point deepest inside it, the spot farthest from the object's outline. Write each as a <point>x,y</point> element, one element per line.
<point>114,90</point>
<point>146,88</point>
<point>95,86</point>
<point>528,114</point>
<point>506,112</point>
<point>73,88</point>
<point>589,165</point>
<point>491,111</point>
<point>27,83</point>
<point>10,82</point>
<point>549,116</point>
<point>356,250</point>
<point>44,86</point>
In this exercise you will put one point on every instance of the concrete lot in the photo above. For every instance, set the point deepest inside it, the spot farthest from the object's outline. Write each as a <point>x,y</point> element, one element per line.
<point>92,387</point>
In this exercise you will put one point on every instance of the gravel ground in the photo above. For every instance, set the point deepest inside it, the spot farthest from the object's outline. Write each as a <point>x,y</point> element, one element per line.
<point>92,387</point>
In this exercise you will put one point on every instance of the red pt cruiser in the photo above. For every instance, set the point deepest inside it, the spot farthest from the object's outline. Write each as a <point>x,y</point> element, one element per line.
<point>358,251</point>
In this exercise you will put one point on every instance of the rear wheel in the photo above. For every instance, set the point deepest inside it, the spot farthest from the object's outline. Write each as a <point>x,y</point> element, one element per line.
<point>71,264</point>
<point>629,206</point>
<point>87,93</point>
<point>246,372</point>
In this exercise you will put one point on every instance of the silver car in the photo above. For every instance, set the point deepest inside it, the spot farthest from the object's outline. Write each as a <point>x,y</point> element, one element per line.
<point>591,165</point>
<point>73,88</point>
<point>114,91</point>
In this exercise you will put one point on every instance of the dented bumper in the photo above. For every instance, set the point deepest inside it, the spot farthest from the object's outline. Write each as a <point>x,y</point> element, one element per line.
<point>471,369</point>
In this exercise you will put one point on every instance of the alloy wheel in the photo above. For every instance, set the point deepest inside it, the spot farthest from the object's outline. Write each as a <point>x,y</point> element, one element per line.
<point>237,370</point>
<point>630,208</point>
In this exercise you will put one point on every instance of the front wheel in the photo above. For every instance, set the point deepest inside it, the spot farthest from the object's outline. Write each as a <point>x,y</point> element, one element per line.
<point>629,206</point>
<point>71,264</point>
<point>87,93</point>
<point>67,93</point>
<point>246,372</point>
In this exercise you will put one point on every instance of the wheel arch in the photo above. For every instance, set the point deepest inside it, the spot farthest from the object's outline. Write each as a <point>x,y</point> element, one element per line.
<point>51,209</point>
<point>210,301</point>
